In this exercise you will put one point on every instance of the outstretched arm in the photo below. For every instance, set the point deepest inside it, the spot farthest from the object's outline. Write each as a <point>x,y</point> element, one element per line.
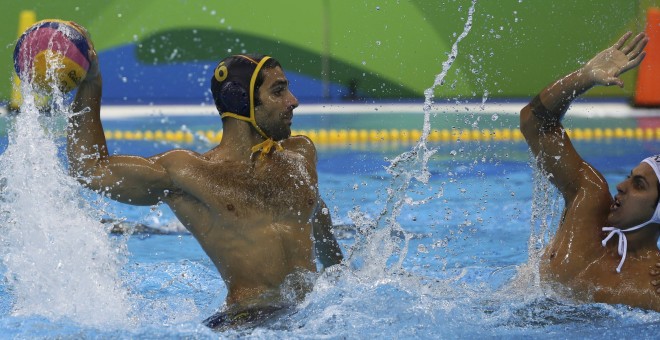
<point>327,249</point>
<point>540,120</point>
<point>128,179</point>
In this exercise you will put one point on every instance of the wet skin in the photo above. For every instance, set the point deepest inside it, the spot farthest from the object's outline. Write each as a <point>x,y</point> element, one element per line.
<point>655,274</point>
<point>259,219</point>
<point>574,262</point>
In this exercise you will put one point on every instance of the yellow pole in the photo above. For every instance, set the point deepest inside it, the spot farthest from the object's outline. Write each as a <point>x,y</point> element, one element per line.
<point>25,19</point>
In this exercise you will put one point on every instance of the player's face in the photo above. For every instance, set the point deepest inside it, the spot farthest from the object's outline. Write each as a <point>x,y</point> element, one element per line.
<point>275,114</point>
<point>635,200</point>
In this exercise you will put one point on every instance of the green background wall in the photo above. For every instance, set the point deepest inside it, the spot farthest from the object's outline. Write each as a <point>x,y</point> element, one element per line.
<point>394,48</point>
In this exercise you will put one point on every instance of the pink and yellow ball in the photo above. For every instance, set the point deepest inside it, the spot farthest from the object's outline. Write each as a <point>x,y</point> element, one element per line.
<point>52,53</point>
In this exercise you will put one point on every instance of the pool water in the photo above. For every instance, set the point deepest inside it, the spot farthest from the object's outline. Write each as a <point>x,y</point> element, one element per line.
<point>452,262</point>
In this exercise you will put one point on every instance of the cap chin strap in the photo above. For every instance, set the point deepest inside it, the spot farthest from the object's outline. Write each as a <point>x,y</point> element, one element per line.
<point>266,146</point>
<point>623,241</point>
<point>246,119</point>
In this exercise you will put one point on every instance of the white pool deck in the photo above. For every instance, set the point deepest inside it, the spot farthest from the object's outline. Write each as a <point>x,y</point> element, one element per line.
<point>580,109</point>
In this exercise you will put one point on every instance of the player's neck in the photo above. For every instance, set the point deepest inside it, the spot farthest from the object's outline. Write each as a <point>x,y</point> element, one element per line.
<point>238,138</point>
<point>643,239</point>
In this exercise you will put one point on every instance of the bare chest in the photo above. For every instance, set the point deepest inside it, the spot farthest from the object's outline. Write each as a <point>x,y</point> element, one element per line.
<point>575,249</point>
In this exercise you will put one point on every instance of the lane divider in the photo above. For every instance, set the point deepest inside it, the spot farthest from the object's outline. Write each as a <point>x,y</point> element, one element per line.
<point>347,136</point>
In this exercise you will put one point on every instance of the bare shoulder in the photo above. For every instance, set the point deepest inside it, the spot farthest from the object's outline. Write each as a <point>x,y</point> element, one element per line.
<point>586,179</point>
<point>576,243</point>
<point>176,157</point>
<point>586,207</point>
<point>629,287</point>
<point>302,145</point>
<point>589,184</point>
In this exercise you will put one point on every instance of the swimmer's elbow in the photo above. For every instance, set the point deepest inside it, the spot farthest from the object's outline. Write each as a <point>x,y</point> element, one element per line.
<point>87,173</point>
<point>83,162</point>
<point>87,182</point>
<point>528,123</point>
<point>78,170</point>
<point>77,174</point>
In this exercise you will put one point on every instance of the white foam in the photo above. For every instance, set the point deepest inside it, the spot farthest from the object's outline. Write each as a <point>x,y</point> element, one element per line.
<point>60,261</point>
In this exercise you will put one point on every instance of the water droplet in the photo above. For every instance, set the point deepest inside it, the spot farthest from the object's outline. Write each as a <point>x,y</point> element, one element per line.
<point>494,117</point>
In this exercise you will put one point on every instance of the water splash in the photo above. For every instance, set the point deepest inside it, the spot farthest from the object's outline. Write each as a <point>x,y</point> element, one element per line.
<point>59,261</point>
<point>380,239</point>
<point>545,213</point>
<point>546,209</point>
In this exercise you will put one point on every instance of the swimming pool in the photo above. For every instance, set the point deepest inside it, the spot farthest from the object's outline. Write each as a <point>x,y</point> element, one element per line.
<point>452,262</point>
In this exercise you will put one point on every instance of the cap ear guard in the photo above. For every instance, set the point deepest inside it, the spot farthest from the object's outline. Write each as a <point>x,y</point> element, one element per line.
<point>234,98</point>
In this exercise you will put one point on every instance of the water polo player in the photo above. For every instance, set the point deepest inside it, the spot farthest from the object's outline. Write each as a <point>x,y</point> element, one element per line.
<point>581,260</point>
<point>252,202</point>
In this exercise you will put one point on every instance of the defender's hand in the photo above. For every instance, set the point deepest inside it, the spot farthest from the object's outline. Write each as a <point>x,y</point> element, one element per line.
<point>606,66</point>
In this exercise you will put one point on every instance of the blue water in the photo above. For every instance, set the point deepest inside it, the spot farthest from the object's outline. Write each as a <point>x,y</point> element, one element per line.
<point>454,278</point>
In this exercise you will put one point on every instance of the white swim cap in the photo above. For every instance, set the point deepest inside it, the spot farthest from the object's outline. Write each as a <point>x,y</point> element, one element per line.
<point>654,162</point>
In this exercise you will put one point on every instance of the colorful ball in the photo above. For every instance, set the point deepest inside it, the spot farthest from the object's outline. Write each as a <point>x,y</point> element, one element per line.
<point>52,53</point>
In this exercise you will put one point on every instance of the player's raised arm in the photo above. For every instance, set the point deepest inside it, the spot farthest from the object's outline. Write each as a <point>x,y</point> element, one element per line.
<point>540,120</point>
<point>128,179</point>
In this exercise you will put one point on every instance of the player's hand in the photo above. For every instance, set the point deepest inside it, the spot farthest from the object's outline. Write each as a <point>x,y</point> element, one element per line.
<point>93,71</point>
<point>606,67</point>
